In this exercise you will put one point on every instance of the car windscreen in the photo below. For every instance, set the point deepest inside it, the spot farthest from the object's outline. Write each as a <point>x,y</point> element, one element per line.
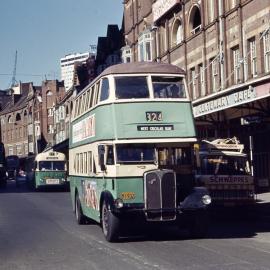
<point>224,165</point>
<point>168,87</point>
<point>131,87</point>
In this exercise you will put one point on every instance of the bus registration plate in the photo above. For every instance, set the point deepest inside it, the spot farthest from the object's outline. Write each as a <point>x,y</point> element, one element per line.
<point>52,181</point>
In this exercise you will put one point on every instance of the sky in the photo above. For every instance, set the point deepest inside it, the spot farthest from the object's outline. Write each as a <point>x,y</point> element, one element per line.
<point>43,31</point>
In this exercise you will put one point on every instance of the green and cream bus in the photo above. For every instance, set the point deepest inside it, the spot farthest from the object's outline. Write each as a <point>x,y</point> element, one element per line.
<point>46,169</point>
<point>131,150</point>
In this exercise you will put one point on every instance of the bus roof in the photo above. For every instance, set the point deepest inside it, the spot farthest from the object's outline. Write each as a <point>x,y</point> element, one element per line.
<point>143,67</point>
<point>50,155</point>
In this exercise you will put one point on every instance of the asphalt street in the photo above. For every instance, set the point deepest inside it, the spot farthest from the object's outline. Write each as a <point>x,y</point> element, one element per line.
<point>38,231</point>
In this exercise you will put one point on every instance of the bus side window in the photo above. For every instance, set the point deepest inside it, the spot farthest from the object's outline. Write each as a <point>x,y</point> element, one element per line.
<point>97,89</point>
<point>91,98</point>
<point>94,167</point>
<point>110,156</point>
<point>104,92</point>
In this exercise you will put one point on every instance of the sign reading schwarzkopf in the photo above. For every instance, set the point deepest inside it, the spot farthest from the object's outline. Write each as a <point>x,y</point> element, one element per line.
<point>160,7</point>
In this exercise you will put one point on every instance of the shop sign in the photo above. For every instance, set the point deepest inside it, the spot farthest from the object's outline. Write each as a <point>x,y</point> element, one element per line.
<point>224,102</point>
<point>160,7</point>
<point>84,129</point>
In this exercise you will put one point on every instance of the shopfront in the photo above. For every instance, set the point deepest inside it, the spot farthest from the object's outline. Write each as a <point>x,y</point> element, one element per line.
<point>244,112</point>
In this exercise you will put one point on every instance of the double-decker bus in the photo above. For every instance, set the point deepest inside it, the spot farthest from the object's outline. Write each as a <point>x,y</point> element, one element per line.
<point>13,166</point>
<point>46,169</point>
<point>131,150</point>
<point>3,177</point>
<point>225,171</point>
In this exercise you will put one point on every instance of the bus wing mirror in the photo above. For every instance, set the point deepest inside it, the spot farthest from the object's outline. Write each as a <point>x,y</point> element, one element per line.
<point>101,159</point>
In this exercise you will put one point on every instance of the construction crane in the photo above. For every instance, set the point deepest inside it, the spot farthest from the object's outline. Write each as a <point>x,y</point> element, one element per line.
<point>13,79</point>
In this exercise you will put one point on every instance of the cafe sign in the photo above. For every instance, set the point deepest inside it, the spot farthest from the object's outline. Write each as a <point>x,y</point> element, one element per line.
<point>227,101</point>
<point>160,7</point>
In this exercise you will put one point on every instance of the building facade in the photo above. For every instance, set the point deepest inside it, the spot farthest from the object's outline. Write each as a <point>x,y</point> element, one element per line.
<point>109,48</point>
<point>68,67</point>
<point>53,92</point>
<point>224,46</point>
<point>17,120</point>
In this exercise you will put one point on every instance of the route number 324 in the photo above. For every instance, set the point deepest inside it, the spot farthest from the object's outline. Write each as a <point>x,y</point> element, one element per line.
<point>153,116</point>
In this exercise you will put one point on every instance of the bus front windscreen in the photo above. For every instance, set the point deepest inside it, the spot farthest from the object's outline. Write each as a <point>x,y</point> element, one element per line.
<point>168,87</point>
<point>224,165</point>
<point>131,87</point>
<point>51,165</point>
<point>135,154</point>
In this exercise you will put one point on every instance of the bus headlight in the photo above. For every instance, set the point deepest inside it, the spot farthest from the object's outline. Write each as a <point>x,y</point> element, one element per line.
<point>118,203</point>
<point>206,199</point>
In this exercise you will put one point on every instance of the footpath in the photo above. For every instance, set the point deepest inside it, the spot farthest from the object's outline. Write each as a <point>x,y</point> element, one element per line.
<point>262,206</point>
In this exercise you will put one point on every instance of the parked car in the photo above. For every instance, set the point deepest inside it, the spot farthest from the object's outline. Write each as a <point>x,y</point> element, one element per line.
<point>20,178</point>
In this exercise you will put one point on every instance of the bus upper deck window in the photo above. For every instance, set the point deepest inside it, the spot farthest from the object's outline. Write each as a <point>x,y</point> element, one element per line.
<point>168,87</point>
<point>104,94</point>
<point>131,87</point>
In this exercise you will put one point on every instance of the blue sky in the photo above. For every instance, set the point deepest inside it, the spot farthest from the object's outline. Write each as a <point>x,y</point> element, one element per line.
<point>43,31</point>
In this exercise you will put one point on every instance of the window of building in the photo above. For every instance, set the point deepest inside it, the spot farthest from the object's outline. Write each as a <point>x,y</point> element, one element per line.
<point>266,48</point>
<point>10,151</point>
<point>145,46</point>
<point>253,57</point>
<point>214,74</point>
<point>195,23</point>
<point>236,64</point>
<point>211,10</point>
<point>50,112</point>
<point>18,117</point>
<point>126,54</point>
<point>50,129</point>
<point>9,119</point>
<point>104,92</point>
<point>177,33</point>
<point>162,36</point>
<point>202,80</point>
<point>233,3</point>
<point>193,83</point>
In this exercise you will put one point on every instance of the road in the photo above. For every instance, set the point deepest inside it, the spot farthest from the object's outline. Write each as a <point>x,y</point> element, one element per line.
<point>38,231</point>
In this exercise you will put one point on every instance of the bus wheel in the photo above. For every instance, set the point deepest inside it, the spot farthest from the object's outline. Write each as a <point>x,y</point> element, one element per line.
<point>198,224</point>
<point>80,217</point>
<point>110,224</point>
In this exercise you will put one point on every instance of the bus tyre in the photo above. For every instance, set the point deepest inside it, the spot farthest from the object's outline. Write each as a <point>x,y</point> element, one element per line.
<point>80,217</point>
<point>110,224</point>
<point>198,224</point>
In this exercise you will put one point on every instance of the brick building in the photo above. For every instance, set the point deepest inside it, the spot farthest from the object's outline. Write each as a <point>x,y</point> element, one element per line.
<point>53,92</point>
<point>17,121</point>
<point>27,117</point>
<point>224,46</point>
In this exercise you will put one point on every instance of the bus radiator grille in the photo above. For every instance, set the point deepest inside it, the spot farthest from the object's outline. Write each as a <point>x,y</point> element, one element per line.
<point>160,195</point>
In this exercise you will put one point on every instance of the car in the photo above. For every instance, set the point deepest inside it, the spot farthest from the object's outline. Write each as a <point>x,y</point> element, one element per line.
<point>20,178</point>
